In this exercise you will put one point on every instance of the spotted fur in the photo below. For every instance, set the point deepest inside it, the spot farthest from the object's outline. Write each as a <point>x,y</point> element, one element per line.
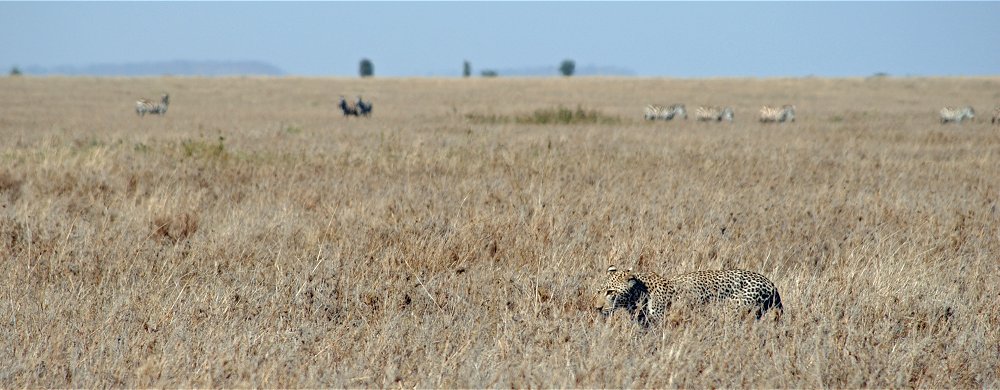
<point>647,296</point>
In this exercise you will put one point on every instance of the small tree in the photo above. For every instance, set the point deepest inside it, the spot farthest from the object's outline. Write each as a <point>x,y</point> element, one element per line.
<point>466,69</point>
<point>489,73</point>
<point>366,68</point>
<point>15,71</point>
<point>567,68</point>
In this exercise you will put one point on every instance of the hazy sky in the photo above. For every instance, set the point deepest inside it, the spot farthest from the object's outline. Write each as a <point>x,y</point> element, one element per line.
<point>417,39</point>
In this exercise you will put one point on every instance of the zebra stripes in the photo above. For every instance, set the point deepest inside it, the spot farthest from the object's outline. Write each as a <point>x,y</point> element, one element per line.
<point>957,114</point>
<point>774,114</point>
<point>714,113</point>
<point>146,106</point>
<point>655,111</point>
<point>652,112</point>
<point>674,110</point>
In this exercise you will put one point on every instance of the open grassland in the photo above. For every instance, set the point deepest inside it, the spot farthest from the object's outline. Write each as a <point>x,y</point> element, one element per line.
<point>254,237</point>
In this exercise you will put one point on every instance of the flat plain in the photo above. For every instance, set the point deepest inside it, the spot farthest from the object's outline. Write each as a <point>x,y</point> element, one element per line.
<point>255,237</point>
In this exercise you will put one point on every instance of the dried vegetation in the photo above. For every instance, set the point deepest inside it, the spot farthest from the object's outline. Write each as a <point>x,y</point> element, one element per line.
<point>253,237</point>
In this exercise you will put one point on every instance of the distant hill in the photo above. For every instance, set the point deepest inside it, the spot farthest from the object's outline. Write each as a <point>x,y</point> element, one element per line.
<point>175,68</point>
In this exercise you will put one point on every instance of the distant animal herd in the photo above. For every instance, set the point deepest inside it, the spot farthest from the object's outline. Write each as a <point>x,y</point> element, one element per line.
<point>785,113</point>
<point>147,106</point>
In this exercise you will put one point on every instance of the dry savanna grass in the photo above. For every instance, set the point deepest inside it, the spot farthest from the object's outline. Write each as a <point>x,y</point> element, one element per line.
<point>254,237</point>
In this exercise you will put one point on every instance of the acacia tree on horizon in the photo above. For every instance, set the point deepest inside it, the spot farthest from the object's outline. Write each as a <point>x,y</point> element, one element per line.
<point>366,68</point>
<point>567,67</point>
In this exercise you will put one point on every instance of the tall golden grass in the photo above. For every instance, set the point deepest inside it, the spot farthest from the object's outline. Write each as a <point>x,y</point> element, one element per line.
<point>254,237</point>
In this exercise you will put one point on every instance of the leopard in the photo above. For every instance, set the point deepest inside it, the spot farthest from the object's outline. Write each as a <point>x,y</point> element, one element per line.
<point>647,296</point>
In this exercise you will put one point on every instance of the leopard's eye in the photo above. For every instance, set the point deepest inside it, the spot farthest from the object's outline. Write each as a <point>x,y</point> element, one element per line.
<point>610,292</point>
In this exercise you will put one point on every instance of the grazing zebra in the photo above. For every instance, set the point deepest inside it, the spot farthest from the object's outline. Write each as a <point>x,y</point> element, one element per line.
<point>146,106</point>
<point>364,108</point>
<point>652,112</point>
<point>714,113</point>
<point>996,115</point>
<point>774,114</point>
<point>957,114</point>
<point>670,112</point>
<point>656,111</point>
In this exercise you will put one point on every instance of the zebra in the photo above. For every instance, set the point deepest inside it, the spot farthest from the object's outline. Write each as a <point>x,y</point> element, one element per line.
<point>957,114</point>
<point>652,112</point>
<point>774,114</point>
<point>714,113</point>
<point>146,106</point>
<point>671,111</point>
<point>996,115</point>
<point>656,111</point>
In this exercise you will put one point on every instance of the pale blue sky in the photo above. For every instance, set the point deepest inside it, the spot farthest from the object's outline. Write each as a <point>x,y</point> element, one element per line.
<point>417,39</point>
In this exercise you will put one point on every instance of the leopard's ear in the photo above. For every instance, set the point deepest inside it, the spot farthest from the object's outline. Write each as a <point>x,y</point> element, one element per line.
<point>632,277</point>
<point>612,269</point>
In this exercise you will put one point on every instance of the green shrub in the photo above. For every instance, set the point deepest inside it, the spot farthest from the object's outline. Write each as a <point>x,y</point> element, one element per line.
<point>203,149</point>
<point>548,116</point>
<point>566,116</point>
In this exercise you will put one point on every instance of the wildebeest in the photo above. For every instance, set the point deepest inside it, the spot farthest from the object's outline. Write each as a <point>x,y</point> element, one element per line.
<point>364,108</point>
<point>348,109</point>
<point>360,108</point>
